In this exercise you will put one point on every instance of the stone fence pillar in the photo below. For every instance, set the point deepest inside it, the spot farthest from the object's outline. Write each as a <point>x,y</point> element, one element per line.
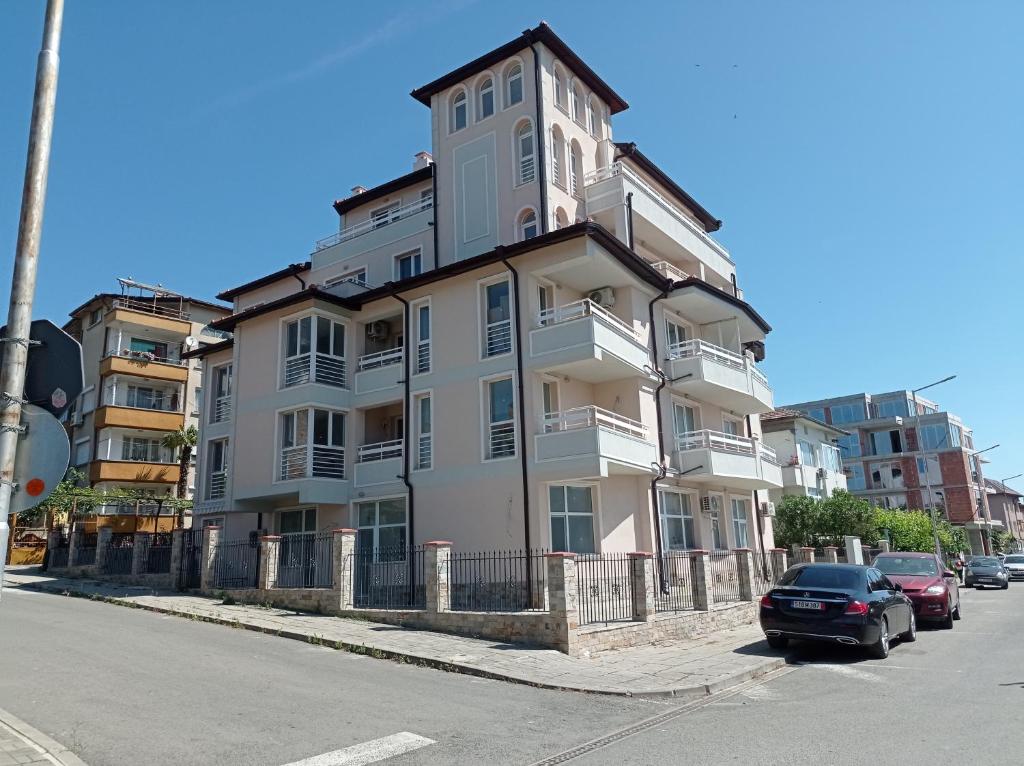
<point>177,544</point>
<point>563,600</point>
<point>883,545</point>
<point>74,542</point>
<point>103,537</point>
<point>140,552</point>
<point>779,563</point>
<point>703,598</point>
<point>270,554</point>
<point>745,573</point>
<point>211,539</point>
<point>343,554</point>
<point>641,570</point>
<point>806,555</point>
<point>437,555</point>
<point>831,554</point>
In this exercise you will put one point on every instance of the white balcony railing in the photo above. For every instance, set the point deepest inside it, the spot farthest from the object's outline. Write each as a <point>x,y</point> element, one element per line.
<point>499,337</point>
<point>501,439</point>
<point>145,356</point>
<point>423,356</point>
<point>723,442</point>
<point>217,485</point>
<point>377,222</point>
<point>380,359</point>
<point>619,168</point>
<point>691,348</point>
<point>222,409</point>
<point>312,461</point>
<point>316,368</point>
<point>370,453</point>
<point>584,308</point>
<point>589,417</point>
<point>425,451</point>
<point>670,271</point>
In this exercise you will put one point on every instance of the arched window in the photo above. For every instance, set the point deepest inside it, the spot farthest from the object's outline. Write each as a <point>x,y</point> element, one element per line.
<point>527,225</point>
<point>514,85</point>
<point>460,111</point>
<point>526,153</point>
<point>594,122</point>
<point>561,219</point>
<point>575,169</point>
<point>486,98</point>
<point>576,103</point>
<point>557,156</point>
<point>559,87</point>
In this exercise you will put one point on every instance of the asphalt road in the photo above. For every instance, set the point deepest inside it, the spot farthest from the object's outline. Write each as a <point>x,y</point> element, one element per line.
<point>123,686</point>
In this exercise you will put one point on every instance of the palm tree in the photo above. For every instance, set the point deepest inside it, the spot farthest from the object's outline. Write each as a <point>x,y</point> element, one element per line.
<point>184,440</point>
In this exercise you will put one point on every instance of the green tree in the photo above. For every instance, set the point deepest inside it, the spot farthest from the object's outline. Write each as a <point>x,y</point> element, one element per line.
<point>183,441</point>
<point>797,520</point>
<point>1002,542</point>
<point>844,514</point>
<point>908,530</point>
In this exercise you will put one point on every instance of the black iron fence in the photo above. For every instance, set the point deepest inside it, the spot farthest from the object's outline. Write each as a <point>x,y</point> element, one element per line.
<point>118,553</point>
<point>677,574</point>
<point>389,578</point>
<point>305,560</point>
<point>85,553</point>
<point>764,574</point>
<point>236,563</point>
<point>157,558</point>
<point>190,563</point>
<point>57,555</point>
<point>723,577</point>
<point>497,581</point>
<point>605,588</point>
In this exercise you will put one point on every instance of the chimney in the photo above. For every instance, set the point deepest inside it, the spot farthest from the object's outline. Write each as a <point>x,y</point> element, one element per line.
<point>358,190</point>
<point>421,160</point>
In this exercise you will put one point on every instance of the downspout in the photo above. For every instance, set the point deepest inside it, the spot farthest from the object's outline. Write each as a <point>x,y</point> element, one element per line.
<point>301,280</point>
<point>433,187</point>
<point>629,220</point>
<point>541,135</point>
<point>757,512</point>
<point>406,423</point>
<point>658,545</point>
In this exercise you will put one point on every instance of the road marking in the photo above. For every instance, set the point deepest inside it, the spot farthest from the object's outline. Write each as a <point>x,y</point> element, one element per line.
<point>844,670</point>
<point>368,752</point>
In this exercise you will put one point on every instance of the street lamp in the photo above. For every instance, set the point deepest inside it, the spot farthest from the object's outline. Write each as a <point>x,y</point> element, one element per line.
<point>987,535</point>
<point>927,477</point>
<point>1012,524</point>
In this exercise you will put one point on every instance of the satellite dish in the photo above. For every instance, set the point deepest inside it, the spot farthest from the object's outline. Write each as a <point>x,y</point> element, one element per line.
<point>191,341</point>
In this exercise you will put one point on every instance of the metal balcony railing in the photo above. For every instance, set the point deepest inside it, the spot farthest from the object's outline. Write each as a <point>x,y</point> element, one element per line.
<point>425,451</point>
<point>499,337</point>
<point>385,218</point>
<point>145,356</point>
<point>670,271</point>
<point>370,453</point>
<point>584,308</point>
<point>217,485</point>
<point>378,359</point>
<point>315,368</point>
<point>501,439</point>
<point>423,356</point>
<point>591,416</point>
<point>723,442</point>
<point>222,409</point>
<point>149,307</point>
<point>316,461</point>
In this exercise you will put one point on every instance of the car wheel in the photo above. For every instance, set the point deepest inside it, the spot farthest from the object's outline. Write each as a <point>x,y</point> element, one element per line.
<point>911,635</point>
<point>880,649</point>
<point>778,642</point>
<point>1005,586</point>
<point>947,621</point>
<point>958,612</point>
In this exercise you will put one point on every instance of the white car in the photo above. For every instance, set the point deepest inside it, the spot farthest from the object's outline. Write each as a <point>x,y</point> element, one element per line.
<point>1014,563</point>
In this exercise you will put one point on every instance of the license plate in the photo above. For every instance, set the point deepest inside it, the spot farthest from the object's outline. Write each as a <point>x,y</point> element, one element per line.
<point>984,579</point>
<point>817,605</point>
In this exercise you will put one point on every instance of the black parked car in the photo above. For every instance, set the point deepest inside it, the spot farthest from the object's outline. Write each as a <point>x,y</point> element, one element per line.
<point>986,571</point>
<point>843,603</point>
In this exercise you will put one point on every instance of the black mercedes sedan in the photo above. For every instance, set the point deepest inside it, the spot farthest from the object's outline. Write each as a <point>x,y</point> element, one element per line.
<point>839,603</point>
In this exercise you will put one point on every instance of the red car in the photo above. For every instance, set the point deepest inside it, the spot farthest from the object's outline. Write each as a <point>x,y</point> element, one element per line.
<point>932,588</point>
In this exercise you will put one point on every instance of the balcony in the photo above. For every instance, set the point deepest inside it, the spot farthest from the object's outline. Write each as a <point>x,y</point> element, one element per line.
<point>314,368</point>
<point>216,486</point>
<point>386,228</point>
<point>311,461</point>
<point>379,463</point>
<point>136,311</point>
<point>221,409</point>
<point>587,342</point>
<point>133,471</point>
<point>125,362</point>
<point>380,370</point>
<point>719,376</point>
<point>713,457</point>
<point>596,442</point>
<point>659,221</point>
<point>150,419</point>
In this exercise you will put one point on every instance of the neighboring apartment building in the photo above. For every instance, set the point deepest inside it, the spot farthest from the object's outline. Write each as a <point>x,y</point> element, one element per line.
<point>1004,504</point>
<point>893,454</point>
<point>812,465</point>
<point>530,340</point>
<point>138,386</point>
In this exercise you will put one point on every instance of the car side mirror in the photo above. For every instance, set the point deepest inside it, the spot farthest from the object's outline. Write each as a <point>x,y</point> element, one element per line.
<point>948,573</point>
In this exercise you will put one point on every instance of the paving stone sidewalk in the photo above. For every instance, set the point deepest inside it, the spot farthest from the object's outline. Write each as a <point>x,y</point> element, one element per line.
<point>680,668</point>
<point>22,745</point>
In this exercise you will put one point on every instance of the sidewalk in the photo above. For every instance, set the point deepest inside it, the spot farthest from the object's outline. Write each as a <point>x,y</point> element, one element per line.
<point>684,668</point>
<point>22,745</point>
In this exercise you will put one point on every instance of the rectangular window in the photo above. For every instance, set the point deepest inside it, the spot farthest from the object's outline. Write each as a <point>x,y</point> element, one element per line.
<point>818,413</point>
<point>216,469</point>
<point>147,398</point>
<point>292,522</point>
<point>855,477</point>
<point>312,444</point>
<point>807,453</point>
<point>715,519</point>
<point>830,458</point>
<point>497,319</point>
<point>886,475</point>
<point>95,316</point>
<point>886,442</point>
<point>684,418</point>
<point>150,348</point>
<point>847,413</point>
<point>408,265</point>
<point>381,529</point>
<point>549,397</point>
<point>545,304</point>
<point>572,518</point>
<point>138,449</point>
<point>82,450</point>
<point>501,426</point>
<point>739,522</point>
<point>732,427</point>
<point>677,335</point>
<point>928,470</point>
<point>814,492</point>
<point>221,410</point>
<point>423,330</point>
<point>892,408</point>
<point>676,520</point>
<point>849,446</point>
<point>314,352</point>
<point>423,410</point>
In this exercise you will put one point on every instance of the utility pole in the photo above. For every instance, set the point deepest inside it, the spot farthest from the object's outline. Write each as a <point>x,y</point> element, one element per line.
<point>26,258</point>
<point>924,454</point>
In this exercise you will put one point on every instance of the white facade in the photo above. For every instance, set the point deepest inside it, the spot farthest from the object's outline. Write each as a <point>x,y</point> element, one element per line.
<point>811,462</point>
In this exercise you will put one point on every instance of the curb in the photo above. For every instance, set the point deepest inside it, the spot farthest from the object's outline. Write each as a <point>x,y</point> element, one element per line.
<point>683,692</point>
<point>36,737</point>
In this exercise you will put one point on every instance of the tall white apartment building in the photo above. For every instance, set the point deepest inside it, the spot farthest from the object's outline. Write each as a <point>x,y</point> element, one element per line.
<point>530,340</point>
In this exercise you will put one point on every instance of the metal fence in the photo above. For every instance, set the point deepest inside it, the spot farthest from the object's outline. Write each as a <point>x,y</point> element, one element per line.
<point>497,581</point>
<point>190,564</point>
<point>723,577</point>
<point>605,588</point>
<point>57,556</point>
<point>236,564</point>
<point>85,553</point>
<point>764,574</point>
<point>389,578</point>
<point>117,558</point>
<point>677,573</point>
<point>305,559</point>
<point>158,554</point>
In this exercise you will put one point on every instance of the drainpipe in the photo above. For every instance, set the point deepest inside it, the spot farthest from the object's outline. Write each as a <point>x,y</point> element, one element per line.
<point>406,423</point>
<point>433,187</point>
<point>522,419</point>
<point>757,509</point>
<point>735,288</point>
<point>629,219</point>
<point>662,470</point>
<point>301,280</point>
<point>541,135</point>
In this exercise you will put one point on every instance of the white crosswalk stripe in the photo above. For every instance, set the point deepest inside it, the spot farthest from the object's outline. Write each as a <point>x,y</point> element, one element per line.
<point>374,751</point>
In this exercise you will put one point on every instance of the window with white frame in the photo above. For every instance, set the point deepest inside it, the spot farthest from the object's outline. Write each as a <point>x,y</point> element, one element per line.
<point>684,418</point>
<point>559,85</point>
<point>575,169</point>
<point>807,456</point>
<point>739,522</point>
<point>221,409</point>
<point>497,319</point>
<point>594,120</point>
<point>424,431</point>
<point>301,520</point>
<point>855,477</point>
<point>408,264</point>
<point>141,449</point>
<point>527,225</point>
<point>676,334</point>
<point>499,407</point>
<point>312,444</point>
<point>830,458</point>
<point>715,522</point>
<point>216,468</point>
<point>82,451</point>
<point>459,111</point>
<point>731,426</point>
<point>381,530</point>
<point>549,401</point>
<point>525,153</point>
<point>314,352</point>
<point>561,219</point>
<point>486,99</point>
<point>514,86</point>
<point>149,398</point>
<point>814,492</point>
<point>571,508</point>
<point>421,318</point>
<point>557,157</point>
<point>545,302</point>
<point>576,103</point>
<point>676,520</point>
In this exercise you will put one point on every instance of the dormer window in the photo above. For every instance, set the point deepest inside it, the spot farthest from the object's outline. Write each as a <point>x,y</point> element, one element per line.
<point>460,111</point>
<point>514,85</point>
<point>486,98</point>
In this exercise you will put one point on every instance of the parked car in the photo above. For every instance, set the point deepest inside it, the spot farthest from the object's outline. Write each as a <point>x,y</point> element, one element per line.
<point>986,571</point>
<point>838,603</point>
<point>1014,565</point>
<point>931,587</point>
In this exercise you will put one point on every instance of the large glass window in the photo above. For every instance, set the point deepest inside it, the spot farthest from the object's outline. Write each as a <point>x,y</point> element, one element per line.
<point>684,418</point>
<point>830,458</point>
<point>886,442</point>
<point>676,520</point>
<point>303,520</point>
<point>892,408</point>
<point>739,522</point>
<point>854,477</point>
<point>715,519</point>
<point>152,348</point>
<point>408,265</point>
<point>486,98</point>
<point>934,436</point>
<point>526,154</point>
<point>886,476</point>
<point>847,413</point>
<point>849,445</point>
<point>676,333</point>
<point>818,413</point>
<point>327,365</point>
<point>142,450</point>
<point>497,319</point>
<point>572,518</point>
<point>514,86</point>
<point>501,427</point>
<point>807,456</point>
<point>381,528</point>
<point>312,444</point>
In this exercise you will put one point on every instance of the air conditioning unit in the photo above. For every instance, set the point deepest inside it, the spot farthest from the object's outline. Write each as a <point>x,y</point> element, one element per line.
<point>768,509</point>
<point>821,473</point>
<point>378,330</point>
<point>602,296</point>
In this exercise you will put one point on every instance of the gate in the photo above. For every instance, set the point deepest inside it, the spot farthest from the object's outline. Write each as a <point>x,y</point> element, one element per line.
<point>190,567</point>
<point>57,557</point>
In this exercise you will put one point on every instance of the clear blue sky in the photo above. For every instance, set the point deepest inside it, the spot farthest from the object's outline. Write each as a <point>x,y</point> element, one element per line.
<point>865,157</point>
